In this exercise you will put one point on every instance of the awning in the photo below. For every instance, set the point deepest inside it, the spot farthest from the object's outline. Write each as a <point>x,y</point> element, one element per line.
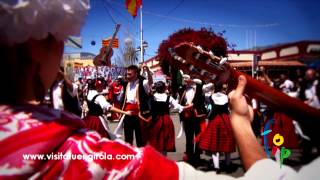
<point>267,63</point>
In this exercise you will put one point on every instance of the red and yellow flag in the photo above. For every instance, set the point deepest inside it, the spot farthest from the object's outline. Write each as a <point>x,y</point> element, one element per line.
<point>115,42</point>
<point>133,6</point>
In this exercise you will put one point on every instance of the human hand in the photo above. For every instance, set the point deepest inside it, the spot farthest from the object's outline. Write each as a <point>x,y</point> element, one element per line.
<point>188,106</point>
<point>130,113</point>
<point>238,103</point>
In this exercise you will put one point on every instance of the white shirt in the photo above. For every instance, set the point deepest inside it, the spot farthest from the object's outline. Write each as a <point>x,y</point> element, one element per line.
<point>191,90</point>
<point>131,91</point>
<point>162,97</point>
<point>265,169</point>
<point>311,95</point>
<point>207,88</point>
<point>286,86</point>
<point>57,94</point>
<point>100,100</point>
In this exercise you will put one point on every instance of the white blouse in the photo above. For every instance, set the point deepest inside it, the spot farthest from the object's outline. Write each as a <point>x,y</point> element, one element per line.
<point>162,97</point>
<point>100,100</point>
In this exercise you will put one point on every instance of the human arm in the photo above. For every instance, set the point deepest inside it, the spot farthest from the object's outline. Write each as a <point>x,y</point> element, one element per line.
<point>198,115</point>
<point>241,116</point>
<point>177,106</point>
<point>72,88</point>
<point>107,107</point>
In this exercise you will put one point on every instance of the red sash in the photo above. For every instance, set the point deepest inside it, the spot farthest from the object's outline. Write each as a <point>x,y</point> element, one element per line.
<point>131,107</point>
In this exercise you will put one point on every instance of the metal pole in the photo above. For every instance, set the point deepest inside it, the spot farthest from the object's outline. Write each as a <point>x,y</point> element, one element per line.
<point>254,62</point>
<point>141,34</point>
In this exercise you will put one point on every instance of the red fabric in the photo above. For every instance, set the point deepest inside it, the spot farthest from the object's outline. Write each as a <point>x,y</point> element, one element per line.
<point>284,126</point>
<point>114,92</point>
<point>131,107</point>
<point>94,123</point>
<point>218,136</point>
<point>206,38</point>
<point>35,132</point>
<point>188,113</point>
<point>203,127</point>
<point>161,135</point>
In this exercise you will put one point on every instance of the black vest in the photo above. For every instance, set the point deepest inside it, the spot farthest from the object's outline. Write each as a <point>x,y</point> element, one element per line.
<point>159,107</point>
<point>217,109</point>
<point>94,109</point>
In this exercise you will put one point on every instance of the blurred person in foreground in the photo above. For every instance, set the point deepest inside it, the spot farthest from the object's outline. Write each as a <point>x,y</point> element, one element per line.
<point>29,62</point>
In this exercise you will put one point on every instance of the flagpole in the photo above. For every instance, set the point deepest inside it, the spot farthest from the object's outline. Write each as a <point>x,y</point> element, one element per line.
<point>141,34</point>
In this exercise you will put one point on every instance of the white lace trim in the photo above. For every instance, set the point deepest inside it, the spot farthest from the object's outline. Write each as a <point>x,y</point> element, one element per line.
<point>27,19</point>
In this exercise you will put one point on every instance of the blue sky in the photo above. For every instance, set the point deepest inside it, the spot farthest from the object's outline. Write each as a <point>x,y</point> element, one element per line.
<point>273,21</point>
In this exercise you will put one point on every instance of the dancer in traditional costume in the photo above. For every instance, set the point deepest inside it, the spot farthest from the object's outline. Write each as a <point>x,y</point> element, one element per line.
<point>280,122</point>
<point>136,97</point>
<point>162,136</point>
<point>189,121</point>
<point>191,117</point>
<point>98,106</point>
<point>218,137</point>
<point>114,97</point>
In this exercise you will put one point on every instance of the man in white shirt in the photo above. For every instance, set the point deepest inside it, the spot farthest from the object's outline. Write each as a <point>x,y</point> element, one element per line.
<point>190,123</point>
<point>310,91</point>
<point>135,99</point>
<point>286,84</point>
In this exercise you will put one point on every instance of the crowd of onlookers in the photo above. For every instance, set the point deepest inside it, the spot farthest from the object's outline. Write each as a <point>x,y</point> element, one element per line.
<point>302,84</point>
<point>91,72</point>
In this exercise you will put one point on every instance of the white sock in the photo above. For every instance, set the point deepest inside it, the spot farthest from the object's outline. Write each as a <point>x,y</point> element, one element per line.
<point>215,159</point>
<point>277,155</point>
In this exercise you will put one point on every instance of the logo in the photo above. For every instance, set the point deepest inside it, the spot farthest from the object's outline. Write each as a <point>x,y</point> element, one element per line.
<point>278,140</point>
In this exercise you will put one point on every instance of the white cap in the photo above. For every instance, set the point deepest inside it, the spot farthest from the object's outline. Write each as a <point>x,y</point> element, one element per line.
<point>25,19</point>
<point>185,77</point>
<point>219,98</point>
<point>197,81</point>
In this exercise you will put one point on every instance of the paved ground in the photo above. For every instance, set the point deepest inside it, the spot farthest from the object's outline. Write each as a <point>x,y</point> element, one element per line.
<point>180,149</point>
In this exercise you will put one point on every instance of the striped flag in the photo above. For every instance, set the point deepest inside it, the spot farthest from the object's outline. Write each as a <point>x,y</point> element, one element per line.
<point>106,42</point>
<point>133,6</point>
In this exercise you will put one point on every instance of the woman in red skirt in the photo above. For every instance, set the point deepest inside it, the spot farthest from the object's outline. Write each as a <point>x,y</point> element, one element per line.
<point>218,137</point>
<point>98,105</point>
<point>162,136</point>
<point>114,97</point>
<point>283,125</point>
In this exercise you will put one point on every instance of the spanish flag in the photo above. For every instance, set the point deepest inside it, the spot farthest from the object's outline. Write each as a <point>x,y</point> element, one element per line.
<point>133,6</point>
